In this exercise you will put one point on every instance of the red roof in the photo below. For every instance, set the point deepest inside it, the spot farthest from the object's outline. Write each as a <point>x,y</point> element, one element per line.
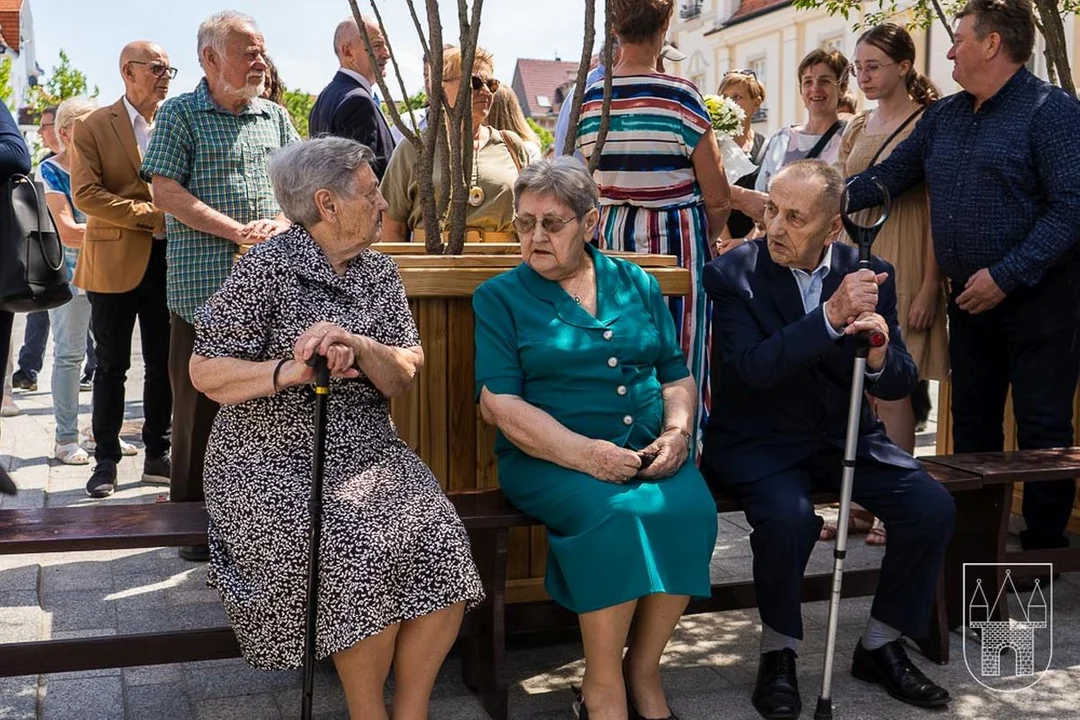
<point>9,23</point>
<point>537,80</point>
<point>753,8</point>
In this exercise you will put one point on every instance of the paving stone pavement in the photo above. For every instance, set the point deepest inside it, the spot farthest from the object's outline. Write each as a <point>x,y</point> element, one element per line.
<point>708,669</point>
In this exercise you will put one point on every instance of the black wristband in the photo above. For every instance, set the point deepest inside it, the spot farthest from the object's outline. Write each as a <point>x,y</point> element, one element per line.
<point>277,371</point>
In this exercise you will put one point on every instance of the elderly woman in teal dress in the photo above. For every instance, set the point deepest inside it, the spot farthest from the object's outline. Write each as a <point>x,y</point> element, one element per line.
<point>578,366</point>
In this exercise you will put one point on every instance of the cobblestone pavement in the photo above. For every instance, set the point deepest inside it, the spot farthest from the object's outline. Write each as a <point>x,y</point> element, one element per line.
<point>708,669</point>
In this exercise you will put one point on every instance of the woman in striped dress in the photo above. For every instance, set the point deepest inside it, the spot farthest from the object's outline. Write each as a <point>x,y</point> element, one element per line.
<point>661,179</point>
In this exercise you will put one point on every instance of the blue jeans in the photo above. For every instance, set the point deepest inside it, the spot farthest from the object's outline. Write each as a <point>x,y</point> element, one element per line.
<point>35,336</point>
<point>70,323</point>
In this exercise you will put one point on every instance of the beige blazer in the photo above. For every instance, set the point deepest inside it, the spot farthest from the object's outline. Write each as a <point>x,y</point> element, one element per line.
<point>121,219</point>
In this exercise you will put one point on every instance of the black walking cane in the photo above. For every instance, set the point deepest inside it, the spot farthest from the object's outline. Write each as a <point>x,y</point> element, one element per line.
<point>322,394</point>
<point>864,237</point>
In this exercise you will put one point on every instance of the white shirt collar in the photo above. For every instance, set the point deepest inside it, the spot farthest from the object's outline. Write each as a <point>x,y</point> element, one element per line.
<point>133,113</point>
<point>364,83</point>
<point>826,263</point>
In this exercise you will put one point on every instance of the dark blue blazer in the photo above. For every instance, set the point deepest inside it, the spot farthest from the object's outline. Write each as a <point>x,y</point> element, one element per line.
<point>781,385</point>
<point>346,109</point>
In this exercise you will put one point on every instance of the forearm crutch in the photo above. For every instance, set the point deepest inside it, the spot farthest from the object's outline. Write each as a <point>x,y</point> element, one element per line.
<point>322,395</point>
<point>863,236</point>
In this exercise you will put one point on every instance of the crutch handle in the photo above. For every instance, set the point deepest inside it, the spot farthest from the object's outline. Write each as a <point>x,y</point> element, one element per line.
<point>322,373</point>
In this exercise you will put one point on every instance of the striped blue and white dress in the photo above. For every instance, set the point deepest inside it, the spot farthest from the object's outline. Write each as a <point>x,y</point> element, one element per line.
<point>650,201</point>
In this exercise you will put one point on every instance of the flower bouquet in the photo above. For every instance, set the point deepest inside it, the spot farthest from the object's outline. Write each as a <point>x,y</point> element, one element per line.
<point>727,118</point>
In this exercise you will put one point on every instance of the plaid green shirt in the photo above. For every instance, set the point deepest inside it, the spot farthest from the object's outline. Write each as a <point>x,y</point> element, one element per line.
<point>221,159</point>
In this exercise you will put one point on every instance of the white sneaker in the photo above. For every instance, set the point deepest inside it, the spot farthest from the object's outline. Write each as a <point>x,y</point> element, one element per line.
<point>126,448</point>
<point>71,454</point>
<point>9,408</point>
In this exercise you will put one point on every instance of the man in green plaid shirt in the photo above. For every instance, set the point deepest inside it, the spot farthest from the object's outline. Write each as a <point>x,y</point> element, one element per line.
<point>207,162</point>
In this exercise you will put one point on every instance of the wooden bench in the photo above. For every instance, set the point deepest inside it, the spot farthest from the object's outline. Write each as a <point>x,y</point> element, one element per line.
<point>485,513</point>
<point>980,484</point>
<point>982,519</point>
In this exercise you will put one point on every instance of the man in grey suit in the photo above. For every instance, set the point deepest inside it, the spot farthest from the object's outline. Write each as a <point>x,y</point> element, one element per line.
<point>349,106</point>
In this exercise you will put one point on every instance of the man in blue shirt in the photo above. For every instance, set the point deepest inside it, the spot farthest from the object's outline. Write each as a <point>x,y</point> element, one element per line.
<point>1001,164</point>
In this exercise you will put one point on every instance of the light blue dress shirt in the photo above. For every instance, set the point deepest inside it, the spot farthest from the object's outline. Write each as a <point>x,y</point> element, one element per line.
<point>810,285</point>
<point>562,124</point>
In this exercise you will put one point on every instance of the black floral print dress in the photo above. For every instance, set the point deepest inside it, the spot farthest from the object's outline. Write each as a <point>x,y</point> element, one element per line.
<point>392,547</point>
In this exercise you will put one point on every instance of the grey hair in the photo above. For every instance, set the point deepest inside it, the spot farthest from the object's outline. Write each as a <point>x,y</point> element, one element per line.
<point>564,177</point>
<point>347,30</point>
<point>820,170</point>
<point>299,170</point>
<point>72,109</point>
<point>214,31</point>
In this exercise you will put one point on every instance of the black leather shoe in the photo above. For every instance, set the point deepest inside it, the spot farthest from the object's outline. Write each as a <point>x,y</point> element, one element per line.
<point>776,693</point>
<point>890,667</point>
<point>195,553</point>
<point>102,482</point>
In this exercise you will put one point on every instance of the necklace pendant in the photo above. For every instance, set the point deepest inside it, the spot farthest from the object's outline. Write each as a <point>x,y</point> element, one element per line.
<point>476,196</point>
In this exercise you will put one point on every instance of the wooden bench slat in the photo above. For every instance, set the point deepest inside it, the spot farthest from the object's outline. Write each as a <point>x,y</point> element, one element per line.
<point>1016,465</point>
<point>119,527</point>
<point>49,656</point>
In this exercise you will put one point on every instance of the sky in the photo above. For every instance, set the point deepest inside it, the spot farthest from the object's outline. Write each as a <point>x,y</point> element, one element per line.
<point>299,35</point>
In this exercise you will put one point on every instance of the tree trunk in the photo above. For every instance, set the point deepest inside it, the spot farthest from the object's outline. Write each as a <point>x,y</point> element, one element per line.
<point>605,112</point>
<point>1056,46</point>
<point>582,76</point>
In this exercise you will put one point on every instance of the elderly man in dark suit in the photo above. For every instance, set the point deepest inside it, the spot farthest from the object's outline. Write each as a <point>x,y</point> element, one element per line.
<point>785,310</point>
<point>348,106</point>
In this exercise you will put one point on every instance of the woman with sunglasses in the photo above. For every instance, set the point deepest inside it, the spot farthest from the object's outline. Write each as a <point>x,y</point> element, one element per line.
<point>497,159</point>
<point>661,177</point>
<point>746,91</point>
<point>884,68</point>
<point>579,367</point>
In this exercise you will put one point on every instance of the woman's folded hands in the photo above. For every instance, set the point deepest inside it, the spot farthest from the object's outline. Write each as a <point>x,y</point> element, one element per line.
<point>333,342</point>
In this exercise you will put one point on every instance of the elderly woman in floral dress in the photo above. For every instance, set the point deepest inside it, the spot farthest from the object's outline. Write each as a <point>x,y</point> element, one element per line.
<point>396,567</point>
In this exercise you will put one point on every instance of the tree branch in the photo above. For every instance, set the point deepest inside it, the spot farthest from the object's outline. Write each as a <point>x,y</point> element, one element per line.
<point>379,79</point>
<point>944,20</point>
<point>605,112</point>
<point>1056,46</point>
<point>582,76</point>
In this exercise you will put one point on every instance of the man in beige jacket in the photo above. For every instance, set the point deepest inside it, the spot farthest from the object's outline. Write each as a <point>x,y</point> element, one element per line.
<point>122,264</point>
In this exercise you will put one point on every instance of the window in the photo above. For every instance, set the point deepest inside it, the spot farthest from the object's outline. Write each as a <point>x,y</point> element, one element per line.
<point>757,66</point>
<point>833,42</point>
<point>699,80</point>
<point>543,101</point>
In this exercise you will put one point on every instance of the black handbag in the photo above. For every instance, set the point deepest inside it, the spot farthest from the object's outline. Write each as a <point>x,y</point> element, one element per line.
<point>32,272</point>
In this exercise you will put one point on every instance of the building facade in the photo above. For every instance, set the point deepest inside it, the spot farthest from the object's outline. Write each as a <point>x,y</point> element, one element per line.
<point>771,36</point>
<point>17,43</point>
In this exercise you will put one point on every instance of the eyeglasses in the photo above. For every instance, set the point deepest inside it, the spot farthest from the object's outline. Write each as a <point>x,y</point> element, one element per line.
<point>747,71</point>
<point>871,68</point>
<point>526,224</point>
<point>158,69</point>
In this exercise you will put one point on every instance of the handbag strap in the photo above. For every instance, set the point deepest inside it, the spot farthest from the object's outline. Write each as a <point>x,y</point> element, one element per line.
<point>897,131</point>
<point>510,147</point>
<point>819,146</point>
<point>44,219</point>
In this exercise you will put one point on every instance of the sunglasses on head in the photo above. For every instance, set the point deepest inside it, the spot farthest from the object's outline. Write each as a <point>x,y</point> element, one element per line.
<point>158,69</point>
<point>747,71</point>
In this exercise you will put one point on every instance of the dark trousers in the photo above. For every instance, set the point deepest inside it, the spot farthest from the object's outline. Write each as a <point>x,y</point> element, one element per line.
<point>918,512</point>
<point>35,337</point>
<point>193,416</point>
<point>113,316</point>
<point>6,321</point>
<point>1030,340</point>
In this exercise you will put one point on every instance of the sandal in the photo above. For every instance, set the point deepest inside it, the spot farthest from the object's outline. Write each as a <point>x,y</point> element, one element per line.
<point>860,522</point>
<point>876,536</point>
<point>71,454</point>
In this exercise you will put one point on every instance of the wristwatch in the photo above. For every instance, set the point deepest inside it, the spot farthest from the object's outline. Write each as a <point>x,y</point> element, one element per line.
<point>686,436</point>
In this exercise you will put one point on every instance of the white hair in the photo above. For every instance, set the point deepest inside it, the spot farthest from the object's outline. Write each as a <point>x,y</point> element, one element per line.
<point>299,170</point>
<point>347,30</point>
<point>72,109</point>
<point>215,30</point>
